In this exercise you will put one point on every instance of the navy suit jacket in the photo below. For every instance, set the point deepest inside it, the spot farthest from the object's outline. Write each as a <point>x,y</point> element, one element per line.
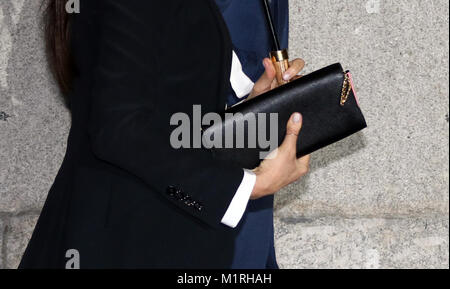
<point>249,33</point>
<point>254,248</point>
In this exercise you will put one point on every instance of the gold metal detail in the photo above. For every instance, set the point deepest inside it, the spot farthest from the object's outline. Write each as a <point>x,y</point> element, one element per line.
<point>346,89</point>
<point>279,55</point>
<point>280,60</point>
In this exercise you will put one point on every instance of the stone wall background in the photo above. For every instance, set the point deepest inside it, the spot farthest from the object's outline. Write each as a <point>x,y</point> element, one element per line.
<point>379,199</point>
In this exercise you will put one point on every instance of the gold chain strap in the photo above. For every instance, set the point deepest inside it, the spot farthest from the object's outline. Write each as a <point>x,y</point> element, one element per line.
<point>346,89</point>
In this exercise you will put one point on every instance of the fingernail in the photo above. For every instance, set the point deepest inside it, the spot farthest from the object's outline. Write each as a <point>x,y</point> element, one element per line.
<point>297,118</point>
<point>286,76</point>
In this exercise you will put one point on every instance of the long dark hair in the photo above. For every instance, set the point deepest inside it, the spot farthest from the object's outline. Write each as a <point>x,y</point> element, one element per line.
<point>57,39</point>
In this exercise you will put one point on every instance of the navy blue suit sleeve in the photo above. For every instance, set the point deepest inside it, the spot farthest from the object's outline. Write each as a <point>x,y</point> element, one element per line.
<point>248,29</point>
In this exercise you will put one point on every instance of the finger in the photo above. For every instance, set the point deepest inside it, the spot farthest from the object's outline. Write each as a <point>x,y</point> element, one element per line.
<point>295,67</point>
<point>293,128</point>
<point>264,83</point>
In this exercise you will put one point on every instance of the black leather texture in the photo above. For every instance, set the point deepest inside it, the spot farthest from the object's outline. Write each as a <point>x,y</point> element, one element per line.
<point>316,96</point>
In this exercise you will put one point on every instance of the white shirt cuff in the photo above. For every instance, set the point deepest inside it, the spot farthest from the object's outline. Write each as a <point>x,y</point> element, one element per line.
<point>240,200</point>
<point>240,82</point>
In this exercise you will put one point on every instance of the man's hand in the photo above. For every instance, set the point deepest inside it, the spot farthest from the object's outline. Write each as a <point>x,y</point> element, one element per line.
<point>282,167</point>
<point>268,81</point>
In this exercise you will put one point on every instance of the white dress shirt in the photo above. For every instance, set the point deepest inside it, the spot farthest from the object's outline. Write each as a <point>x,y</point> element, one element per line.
<point>242,86</point>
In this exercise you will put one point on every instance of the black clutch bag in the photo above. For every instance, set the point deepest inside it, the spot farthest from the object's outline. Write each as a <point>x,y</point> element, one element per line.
<point>325,98</point>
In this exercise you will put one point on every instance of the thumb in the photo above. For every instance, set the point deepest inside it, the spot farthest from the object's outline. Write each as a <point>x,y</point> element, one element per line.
<point>293,128</point>
<point>264,83</point>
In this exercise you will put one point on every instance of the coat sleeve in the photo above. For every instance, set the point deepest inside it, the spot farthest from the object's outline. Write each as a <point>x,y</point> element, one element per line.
<point>157,58</point>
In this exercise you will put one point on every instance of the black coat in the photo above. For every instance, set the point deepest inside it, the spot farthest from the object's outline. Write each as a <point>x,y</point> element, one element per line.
<point>124,198</point>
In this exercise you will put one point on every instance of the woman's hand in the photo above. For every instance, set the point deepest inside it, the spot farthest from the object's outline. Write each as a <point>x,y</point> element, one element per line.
<point>268,81</point>
<point>282,167</point>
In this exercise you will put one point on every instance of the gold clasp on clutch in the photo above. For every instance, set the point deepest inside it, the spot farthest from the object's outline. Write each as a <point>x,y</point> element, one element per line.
<point>346,89</point>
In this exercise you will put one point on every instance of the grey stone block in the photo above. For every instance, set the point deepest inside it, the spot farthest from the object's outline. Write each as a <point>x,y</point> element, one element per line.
<point>362,243</point>
<point>398,53</point>
<point>2,229</point>
<point>18,234</point>
<point>33,138</point>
